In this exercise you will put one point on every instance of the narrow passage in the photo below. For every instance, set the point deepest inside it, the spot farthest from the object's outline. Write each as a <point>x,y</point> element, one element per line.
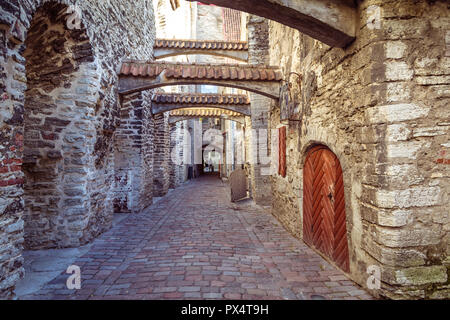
<point>194,243</point>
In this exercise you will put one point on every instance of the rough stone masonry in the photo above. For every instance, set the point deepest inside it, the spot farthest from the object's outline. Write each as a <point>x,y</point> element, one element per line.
<point>73,151</point>
<point>382,106</point>
<point>59,108</point>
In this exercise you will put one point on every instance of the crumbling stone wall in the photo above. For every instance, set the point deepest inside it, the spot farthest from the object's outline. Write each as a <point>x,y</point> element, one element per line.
<point>147,152</point>
<point>381,105</point>
<point>176,160</point>
<point>161,160</point>
<point>133,162</point>
<point>174,134</point>
<point>181,168</point>
<point>57,135</point>
<point>69,121</point>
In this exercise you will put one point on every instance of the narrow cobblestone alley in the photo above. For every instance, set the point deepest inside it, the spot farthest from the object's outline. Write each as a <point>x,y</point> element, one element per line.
<point>202,247</point>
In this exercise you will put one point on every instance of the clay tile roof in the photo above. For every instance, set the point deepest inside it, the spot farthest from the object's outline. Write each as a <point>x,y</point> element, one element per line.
<point>201,44</point>
<point>201,71</point>
<point>200,98</point>
<point>199,112</point>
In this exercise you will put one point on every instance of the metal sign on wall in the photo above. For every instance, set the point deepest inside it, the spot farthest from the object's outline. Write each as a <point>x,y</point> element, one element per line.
<point>289,106</point>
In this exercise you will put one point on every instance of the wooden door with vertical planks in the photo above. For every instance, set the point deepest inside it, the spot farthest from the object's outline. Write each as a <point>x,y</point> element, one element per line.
<point>282,151</point>
<point>324,219</point>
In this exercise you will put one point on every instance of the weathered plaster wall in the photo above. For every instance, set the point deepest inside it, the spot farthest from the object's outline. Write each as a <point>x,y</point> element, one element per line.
<point>209,23</point>
<point>381,105</point>
<point>81,113</point>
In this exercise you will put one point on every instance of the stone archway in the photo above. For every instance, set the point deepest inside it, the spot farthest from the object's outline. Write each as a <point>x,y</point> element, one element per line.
<point>58,132</point>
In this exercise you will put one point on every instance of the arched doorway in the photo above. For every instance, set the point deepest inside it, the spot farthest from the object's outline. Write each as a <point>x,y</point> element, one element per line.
<point>324,218</point>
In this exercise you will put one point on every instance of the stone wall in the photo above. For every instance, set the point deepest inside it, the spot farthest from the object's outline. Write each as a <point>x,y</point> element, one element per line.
<point>209,23</point>
<point>259,53</point>
<point>176,161</point>
<point>181,169</point>
<point>381,105</point>
<point>174,135</point>
<point>161,161</point>
<point>147,153</point>
<point>58,137</point>
<point>70,110</point>
<point>133,161</point>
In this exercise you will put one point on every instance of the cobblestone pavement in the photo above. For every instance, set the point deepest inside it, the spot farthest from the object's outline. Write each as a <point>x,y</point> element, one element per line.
<point>195,244</point>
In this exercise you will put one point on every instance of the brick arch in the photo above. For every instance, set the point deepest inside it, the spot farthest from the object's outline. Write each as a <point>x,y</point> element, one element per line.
<point>57,129</point>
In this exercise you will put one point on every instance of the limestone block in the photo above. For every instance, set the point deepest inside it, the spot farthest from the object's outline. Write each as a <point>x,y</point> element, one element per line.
<point>408,149</point>
<point>401,173</point>
<point>412,197</point>
<point>396,113</point>
<point>409,294</point>
<point>407,237</point>
<point>421,275</point>
<point>432,80</point>
<point>398,70</point>
<point>441,294</point>
<point>397,29</point>
<point>14,227</point>
<point>431,131</point>
<point>394,256</point>
<point>395,49</point>
<point>396,218</point>
<point>397,132</point>
<point>398,92</point>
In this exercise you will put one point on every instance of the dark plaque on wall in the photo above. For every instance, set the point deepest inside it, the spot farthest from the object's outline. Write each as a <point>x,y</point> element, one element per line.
<point>289,107</point>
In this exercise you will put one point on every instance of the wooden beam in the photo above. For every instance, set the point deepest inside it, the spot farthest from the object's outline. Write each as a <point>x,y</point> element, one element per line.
<point>131,84</point>
<point>239,55</point>
<point>331,21</point>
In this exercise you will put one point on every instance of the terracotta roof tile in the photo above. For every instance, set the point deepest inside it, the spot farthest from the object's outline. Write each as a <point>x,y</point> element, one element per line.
<point>199,112</point>
<point>125,68</point>
<point>201,44</point>
<point>200,98</point>
<point>200,71</point>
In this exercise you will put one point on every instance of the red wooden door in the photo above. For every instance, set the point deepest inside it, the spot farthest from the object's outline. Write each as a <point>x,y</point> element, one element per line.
<point>324,223</point>
<point>282,151</point>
